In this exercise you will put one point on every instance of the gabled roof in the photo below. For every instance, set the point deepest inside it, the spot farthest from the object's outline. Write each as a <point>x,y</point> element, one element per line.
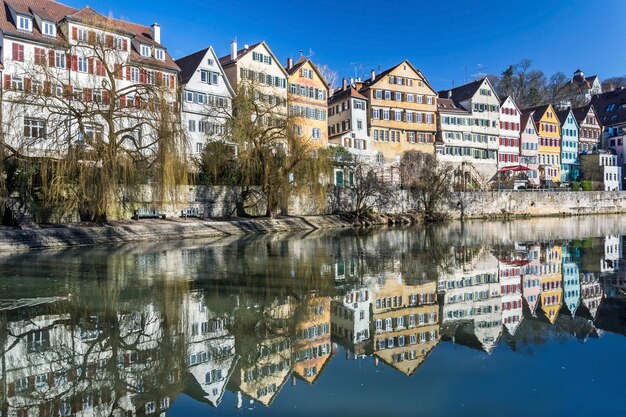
<point>580,113</point>
<point>58,13</point>
<point>227,60</point>
<point>563,115</point>
<point>447,105</point>
<point>188,64</point>
<point>372,81</point>
<point>466,91</point>
<point>610,107</point>
<point>524,119</point>
<point>300,62</point>
<point>505,98</point>
<point>350,91</point>
<point>537,111</point>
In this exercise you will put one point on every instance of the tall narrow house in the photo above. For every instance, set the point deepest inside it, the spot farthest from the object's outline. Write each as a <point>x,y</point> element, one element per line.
<point>307,99</point>
<point>206,99</point>
<point>402,112</point>
<point>256,66</point>
<point>569,146</point>
<point>549,132</point>
<point>480,140</point>
<point>509,146</point>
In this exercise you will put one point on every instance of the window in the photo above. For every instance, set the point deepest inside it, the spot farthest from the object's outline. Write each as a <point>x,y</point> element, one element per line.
<point>118,43</point>
<point>199,147</point>
<point>307,73</point>
<point>159,54</point>
<point>18,52</point>
<point>134,74</point>
<point>34,128</point>
<point>49,28</point>
<point>144,50</point>
<point>24,23</point>
<point>17,83</point>
<point>317,133</point>
<point>82,34</point>
<point>82,64</point>
<point>192,125</point>
<point>59,59</point>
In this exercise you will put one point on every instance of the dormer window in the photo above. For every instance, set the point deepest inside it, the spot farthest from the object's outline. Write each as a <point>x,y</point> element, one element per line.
<point>82,34</point>
<point>144,50</point>
<point>159,54</point>
<point>24,23</point>
<point>48,28</point>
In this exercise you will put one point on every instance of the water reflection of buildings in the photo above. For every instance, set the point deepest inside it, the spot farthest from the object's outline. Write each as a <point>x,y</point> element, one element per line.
<point>405,319</point>
<point>551,281</point>
<point>472,300</point>
<point>70,359</point>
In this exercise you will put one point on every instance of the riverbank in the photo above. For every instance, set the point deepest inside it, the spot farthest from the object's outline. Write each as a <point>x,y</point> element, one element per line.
<point>128,231</point>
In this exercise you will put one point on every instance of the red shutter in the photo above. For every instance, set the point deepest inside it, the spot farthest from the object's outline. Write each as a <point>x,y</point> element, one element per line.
<point>7,81</point>
<point>142,76</point>
<point>123,101</point>
<point>74,33</point>
<point>46,88</point>
<point>16,51</point>
<point>87,96</point>
<point>27,84</point>
<point>51,60</point>
<point>128,73</point>
<point>117,69</point>
<point>106,97</point>
<point>90,65</point>
<point>74,63</point>
<point>137,101</point>
<point>159,78</point>
<point>125,44</point>
<point>91,37</point>
<point>109,41</point>
<point>172,81</point>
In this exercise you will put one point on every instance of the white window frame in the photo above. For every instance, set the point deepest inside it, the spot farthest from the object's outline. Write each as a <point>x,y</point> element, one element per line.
<point>49,28</point>
<point>24,23</point>
<point>159,54</point>
<point>144,50</point>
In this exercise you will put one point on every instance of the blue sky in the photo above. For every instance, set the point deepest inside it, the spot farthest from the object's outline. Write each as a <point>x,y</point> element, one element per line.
<point>445,39</point>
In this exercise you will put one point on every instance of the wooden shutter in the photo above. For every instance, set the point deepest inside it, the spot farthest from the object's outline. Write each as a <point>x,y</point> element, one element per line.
<point>46,88</point>
<point>27,84</point>
<point>87,95</point>
<point>90,65</point>
<point>109,41</point>
<point>16,53</point>
<point>106,96</point>
<point>128,73</point>
<point>117,70</point>
<point>74,62</point>
<point>123,101</point>
<point>158,78</point>
<point>172,81</point>
<point>125,44</point>
<point>91,37</point>
<point>74,33</point>
<point>137,101</point>
<point>142,76</point>
<point>7,81</point>
<point>51,58</point>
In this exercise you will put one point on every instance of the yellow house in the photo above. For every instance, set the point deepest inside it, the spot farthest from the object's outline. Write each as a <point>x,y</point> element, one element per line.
<point>549,132</point>
<point>307,95</point>
<point>405,322</point>
<point>551,282</point>
<point>312,347</point>
<point>402,112</point>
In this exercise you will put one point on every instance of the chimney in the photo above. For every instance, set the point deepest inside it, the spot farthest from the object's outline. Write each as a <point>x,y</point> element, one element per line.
<point>344,83</point>
<point>289,63</point>
<point>373,75</point>
<point>233,49</point>
<point>155,29</point>
<point>449,93</point>
<point>351,81</point>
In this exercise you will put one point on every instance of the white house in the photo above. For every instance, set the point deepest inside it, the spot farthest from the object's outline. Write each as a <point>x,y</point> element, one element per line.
<point>509,149</point>
<point>206,98</point>
<point>347,121</point>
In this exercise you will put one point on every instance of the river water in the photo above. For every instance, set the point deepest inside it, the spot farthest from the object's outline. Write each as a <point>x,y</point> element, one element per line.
<point>483,318</point>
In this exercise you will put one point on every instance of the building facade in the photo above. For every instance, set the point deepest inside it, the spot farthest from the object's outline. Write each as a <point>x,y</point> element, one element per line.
<point>589,129</point>
<point>402,112</point>
<point>509,146</point>
<point>529,148</point>
<point>347,121</point>
<point>549,150</point>
<point>481,101</point>
<point>569,146</point>
<point>206,100</point>
<point>307,98</point>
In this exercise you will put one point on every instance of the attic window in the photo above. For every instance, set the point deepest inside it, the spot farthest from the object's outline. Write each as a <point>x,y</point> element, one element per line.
<point>49,28</point>
<point>144,50</point>
<point>24,23</point>
<point>210,62</point>
<point>159,54</point>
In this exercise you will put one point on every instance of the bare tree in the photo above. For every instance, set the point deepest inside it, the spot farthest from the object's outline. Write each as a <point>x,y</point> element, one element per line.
<point>93,136</point>
<point>428,180</point>
<point>331,76</point>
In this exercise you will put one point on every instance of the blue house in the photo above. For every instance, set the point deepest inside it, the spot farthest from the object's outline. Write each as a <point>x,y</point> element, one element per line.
<point>569,146</point>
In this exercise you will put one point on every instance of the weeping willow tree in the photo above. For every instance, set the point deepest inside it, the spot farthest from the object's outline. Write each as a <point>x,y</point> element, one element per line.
<point>95,123</point>
<point>264,152</point>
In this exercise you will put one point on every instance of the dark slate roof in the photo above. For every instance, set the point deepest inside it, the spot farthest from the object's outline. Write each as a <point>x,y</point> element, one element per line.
<point>463,92</point>
<point>377,77</point>
<point>580,113</point>
<point>296,66</point>
<point>538,111</point>
<point>610,115</point>
<point>348,92</point>
<point>562,115</point>
<point>524,120</point>
<point>188,64</point>
<point>447,105</point>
